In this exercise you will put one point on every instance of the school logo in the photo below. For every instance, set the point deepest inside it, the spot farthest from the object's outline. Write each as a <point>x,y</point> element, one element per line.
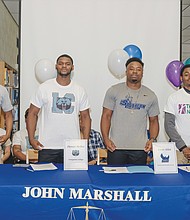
<point>75,152</point>
<point>184,109</point>
<point>165,159</point>
<point>63,104</point>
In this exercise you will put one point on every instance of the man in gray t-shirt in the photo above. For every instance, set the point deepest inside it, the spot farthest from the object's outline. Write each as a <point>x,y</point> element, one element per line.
<point>126,108</point>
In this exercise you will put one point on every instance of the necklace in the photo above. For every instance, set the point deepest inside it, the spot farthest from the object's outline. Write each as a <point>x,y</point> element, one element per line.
<point>132,105</point>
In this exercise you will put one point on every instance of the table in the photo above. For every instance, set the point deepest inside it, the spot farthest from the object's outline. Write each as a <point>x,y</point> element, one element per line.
<point>92,194</point>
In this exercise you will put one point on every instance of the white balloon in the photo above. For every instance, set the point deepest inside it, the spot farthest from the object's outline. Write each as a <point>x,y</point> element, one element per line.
<point>44,70</point>
<point>116,62</point>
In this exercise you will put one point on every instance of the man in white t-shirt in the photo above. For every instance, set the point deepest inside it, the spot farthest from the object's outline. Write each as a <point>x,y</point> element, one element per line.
<point>60,101</point>
<point>177,117</point>
<point>21,143</point>
<point>6,106</point>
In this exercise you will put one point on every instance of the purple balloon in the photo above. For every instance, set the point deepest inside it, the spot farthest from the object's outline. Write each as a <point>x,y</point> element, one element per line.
<point>173,70</point>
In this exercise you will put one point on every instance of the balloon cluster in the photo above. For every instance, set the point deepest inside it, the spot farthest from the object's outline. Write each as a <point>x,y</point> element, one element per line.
<point>118,58</point>
<point>44,70</point>
<point>173,71</point>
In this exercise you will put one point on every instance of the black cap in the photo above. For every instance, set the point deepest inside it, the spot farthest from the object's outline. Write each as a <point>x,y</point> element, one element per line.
<point>134,59</point>
<point>183,68</point>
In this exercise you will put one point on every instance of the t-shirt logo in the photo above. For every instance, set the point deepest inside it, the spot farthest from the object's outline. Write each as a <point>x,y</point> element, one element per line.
<point>184,109</point>
<point>129,104</point>
<point>63,104</point>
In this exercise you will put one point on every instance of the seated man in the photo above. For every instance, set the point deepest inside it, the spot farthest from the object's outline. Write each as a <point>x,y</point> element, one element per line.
<point>95,141</point>
<point>5,149</point>
<point>21,143</point>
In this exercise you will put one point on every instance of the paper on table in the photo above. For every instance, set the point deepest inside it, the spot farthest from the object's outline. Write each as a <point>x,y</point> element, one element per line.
<point>140,169</point>
<point>184,168</point>
<point>48,166</point>
<point>129,169</point>
<point>115,170</point>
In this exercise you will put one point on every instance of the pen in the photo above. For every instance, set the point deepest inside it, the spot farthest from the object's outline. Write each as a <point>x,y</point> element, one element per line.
<point>30,170</point>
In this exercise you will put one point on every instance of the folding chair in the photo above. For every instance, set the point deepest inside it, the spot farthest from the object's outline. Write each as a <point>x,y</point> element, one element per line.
<point>102,156</point>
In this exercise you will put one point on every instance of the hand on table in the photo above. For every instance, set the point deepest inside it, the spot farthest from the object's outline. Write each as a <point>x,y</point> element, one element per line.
<point>36,145</point>
<point>110,145</point>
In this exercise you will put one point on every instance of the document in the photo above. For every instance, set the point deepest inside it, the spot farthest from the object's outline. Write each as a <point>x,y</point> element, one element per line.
<point>129,169</point>
<point>184,168</point>
<point>76,154</point>
<point>165,160</point>
<point>48,166</point>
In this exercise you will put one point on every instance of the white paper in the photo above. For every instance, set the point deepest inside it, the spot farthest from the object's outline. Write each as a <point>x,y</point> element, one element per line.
<point>115,170</point>
<point>76,155</point>
<point>184,168</point>
<point>165,160</point>
<point>129,169</point>
<point>48,166</point>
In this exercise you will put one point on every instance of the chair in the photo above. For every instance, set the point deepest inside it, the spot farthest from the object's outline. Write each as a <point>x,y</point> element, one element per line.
<point>102,156</point>
<point>32,156</point>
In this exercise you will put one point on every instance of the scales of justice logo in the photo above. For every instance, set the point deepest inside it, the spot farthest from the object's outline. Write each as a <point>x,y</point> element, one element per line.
<point>74,211</point>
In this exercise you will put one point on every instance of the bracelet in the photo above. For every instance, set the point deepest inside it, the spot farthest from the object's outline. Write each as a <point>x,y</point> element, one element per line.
<point>153,138</point>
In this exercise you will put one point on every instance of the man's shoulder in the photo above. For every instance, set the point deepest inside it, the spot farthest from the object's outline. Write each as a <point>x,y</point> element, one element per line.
<point>148,90</point>
<point>176,93</point>
<point>49,81</point>
<point>21,131</point>
<point>119,85</point>
<point>75,84</point>
<point>3,89</point>
<point>76,87</point>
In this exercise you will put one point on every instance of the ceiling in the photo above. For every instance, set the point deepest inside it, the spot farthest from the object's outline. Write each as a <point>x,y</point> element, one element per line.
<point>13,7</point>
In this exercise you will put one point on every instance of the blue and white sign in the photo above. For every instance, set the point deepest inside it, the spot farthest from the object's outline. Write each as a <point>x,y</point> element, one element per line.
<point>165,160</point>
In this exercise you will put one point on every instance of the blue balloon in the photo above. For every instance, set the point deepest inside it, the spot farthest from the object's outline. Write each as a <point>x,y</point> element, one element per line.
<point>187,61</point>
<point>133,51</point>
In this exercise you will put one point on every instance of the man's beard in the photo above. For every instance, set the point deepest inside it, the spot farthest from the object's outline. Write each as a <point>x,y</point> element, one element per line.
<point>64,75</point>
